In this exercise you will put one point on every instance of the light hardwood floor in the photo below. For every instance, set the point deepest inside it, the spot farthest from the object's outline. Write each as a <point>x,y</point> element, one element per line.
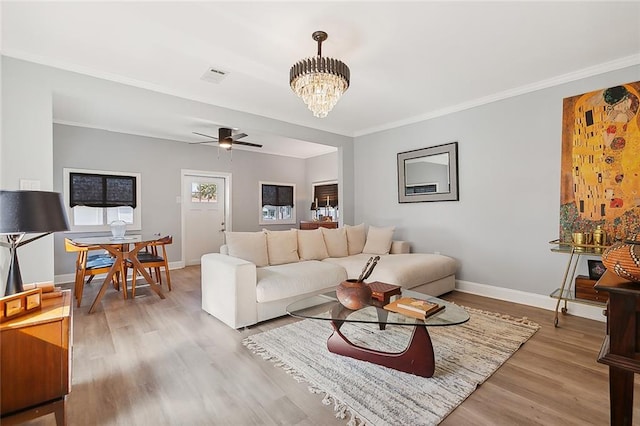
<point>166,362</point>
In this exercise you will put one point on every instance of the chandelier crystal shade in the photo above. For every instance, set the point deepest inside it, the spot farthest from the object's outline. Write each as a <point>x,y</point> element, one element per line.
<point>320,82</point>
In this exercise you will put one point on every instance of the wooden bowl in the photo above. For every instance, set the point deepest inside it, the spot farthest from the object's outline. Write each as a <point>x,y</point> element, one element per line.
<point>353,294</point>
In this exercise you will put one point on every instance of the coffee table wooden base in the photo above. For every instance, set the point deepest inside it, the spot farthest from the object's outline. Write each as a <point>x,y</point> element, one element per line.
<point>416,359</point>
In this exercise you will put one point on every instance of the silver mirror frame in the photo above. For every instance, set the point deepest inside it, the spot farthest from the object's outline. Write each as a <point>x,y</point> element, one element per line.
<point>451,195</point>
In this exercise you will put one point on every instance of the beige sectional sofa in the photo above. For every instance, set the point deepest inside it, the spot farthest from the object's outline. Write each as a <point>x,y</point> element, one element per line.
<point>257,274</point>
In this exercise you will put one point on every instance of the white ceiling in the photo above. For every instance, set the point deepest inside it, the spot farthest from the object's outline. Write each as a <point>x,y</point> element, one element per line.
<point>409,60</point>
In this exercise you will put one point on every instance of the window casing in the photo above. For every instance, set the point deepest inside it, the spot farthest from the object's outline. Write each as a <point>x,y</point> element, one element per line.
<point>96,215</point>
<point>277,203</point>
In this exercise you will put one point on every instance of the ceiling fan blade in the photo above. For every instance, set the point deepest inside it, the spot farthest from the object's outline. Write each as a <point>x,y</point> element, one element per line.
<point>240,136</point>
<point>206,136</point>
<point>247,144</point>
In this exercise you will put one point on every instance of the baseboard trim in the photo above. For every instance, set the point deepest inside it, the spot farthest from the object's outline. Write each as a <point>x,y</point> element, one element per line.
<point>529,299</point>
<point>69,278</point>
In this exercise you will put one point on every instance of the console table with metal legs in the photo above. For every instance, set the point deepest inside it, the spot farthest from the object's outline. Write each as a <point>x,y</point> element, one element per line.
<point>565,293</point>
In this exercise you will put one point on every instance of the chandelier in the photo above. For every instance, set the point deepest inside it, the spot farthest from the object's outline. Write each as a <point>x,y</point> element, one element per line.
<point>320,82</point>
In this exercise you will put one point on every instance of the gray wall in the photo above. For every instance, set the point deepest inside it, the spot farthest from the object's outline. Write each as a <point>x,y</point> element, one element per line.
<point>509,176</point>
<point>27,154</point>
<point>159,162</point>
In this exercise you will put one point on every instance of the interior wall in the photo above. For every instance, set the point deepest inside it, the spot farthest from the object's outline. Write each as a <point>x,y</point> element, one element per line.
<point>4,254</point>
<point>509,182</point>
<point>346,183</point>
<point>160,162</point>
<point>27,153</point>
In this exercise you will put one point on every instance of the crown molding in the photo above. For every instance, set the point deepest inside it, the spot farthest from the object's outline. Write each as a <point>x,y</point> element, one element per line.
<point>614,65</point>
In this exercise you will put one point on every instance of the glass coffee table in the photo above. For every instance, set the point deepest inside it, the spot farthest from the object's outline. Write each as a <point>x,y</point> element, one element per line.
<point>417,358</point>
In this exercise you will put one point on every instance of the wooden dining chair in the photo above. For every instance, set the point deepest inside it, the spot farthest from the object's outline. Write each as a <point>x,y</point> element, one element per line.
<point>89,265</point>
<point>150,258</point>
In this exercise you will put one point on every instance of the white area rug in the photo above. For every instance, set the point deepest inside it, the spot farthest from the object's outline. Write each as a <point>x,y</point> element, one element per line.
<point>365,393</point>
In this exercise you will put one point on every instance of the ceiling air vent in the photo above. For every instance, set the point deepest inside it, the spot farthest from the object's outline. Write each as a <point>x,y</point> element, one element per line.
<point>214,75</point>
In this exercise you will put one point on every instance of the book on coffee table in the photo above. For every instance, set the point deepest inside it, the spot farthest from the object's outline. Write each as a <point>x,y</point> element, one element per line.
<point>416,308</point>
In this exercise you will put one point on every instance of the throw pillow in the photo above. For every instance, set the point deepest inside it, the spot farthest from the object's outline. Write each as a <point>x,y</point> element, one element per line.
<point>250,246</point>
<point>282,247</point>
<point>311,245</point>
<point>356,238</point>
<point>379,240</point>
<point>336,241</point>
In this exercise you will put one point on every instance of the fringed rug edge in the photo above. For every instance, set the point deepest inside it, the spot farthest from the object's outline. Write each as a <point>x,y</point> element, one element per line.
<point>340,408</point>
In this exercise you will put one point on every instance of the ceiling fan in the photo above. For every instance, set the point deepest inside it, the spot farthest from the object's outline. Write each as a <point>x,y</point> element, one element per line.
<point>226,139</point>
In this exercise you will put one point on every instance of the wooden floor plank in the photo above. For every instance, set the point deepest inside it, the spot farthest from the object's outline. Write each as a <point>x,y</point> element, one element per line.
<point>164,362</point>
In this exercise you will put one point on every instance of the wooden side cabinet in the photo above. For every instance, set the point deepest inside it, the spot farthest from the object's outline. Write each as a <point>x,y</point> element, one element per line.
<point>36,351</point>
<point>304,225</point>
<point>621,347</point>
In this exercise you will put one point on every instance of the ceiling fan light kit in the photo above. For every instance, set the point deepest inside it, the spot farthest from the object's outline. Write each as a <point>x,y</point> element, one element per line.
<point>225,143</point>
<point>320,82</point>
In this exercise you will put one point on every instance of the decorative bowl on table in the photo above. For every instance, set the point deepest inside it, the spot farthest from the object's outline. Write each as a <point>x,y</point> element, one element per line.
<point>623,258</point>
<point>353,294</point>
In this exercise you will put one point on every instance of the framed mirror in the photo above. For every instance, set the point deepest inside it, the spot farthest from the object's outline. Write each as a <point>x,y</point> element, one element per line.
<point>428,174</point>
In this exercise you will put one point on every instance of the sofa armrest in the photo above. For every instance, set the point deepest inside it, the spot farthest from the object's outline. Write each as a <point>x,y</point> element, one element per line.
<point>229,289</point>
<point>400,247</point>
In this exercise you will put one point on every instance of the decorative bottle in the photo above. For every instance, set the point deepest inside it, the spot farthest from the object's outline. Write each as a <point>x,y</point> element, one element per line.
<point>599,236</point>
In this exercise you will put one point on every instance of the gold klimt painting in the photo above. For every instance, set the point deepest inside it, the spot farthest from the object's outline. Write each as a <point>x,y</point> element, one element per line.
<point>601,162</point>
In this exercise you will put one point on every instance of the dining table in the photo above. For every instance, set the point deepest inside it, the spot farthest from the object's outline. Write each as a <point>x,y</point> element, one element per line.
<point>122,249</point>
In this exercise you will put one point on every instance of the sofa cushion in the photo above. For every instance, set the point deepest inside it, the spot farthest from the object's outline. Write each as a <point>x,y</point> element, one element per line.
<point>406,270</point>
<point>250,246</point>
<point>311,245</point>
<point>336,241</point>
<point>379,240</point>
<point>282,246</point>
<point>356,238</point>
<point>295,279</point>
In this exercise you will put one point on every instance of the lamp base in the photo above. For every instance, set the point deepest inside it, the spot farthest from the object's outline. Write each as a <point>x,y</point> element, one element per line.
<point>14,279</point>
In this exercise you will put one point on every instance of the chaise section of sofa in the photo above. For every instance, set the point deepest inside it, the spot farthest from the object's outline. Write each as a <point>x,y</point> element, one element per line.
<point>432,274</point>
<point>257,274</point>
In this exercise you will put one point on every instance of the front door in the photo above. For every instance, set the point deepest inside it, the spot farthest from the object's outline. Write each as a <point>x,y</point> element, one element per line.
<point>203,212</point>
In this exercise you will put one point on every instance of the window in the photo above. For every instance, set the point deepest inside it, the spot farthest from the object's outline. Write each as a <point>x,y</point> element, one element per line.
<point>325,201</point>
<point>100,190</point>
<point>94,199</point>
<point>277,203</point>
<point>204,192</point>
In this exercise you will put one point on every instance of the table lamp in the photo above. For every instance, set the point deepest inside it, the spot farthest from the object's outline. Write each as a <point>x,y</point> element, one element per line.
<point>27,212</point>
